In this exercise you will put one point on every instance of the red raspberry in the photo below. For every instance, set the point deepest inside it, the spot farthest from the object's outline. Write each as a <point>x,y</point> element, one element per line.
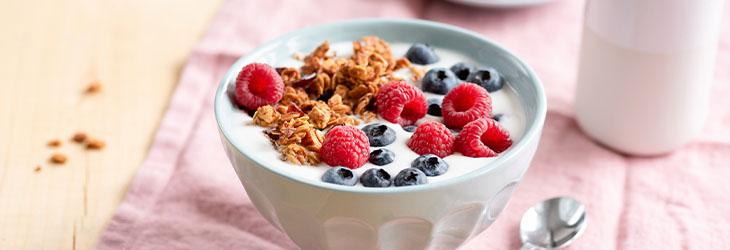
<point>257,85</point>
<point>345,146</point>
<point>482,138</point>
<point>465,103</point>
<point>432,138</point>
<point>400,102</point>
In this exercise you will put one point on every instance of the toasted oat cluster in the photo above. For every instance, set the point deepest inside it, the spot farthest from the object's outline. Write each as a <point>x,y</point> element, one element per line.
<point>325,92</point>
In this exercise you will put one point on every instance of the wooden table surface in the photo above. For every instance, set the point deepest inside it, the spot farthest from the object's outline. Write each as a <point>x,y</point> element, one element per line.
<point>50,51</point>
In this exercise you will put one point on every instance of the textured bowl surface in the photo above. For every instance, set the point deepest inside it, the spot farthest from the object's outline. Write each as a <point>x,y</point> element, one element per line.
<point>440,215</point>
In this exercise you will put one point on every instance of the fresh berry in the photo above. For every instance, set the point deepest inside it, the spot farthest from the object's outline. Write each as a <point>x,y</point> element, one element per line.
<point>488,78</point>
<point>379,134</point>
<point>465,103</point>
<point>345,146</point>
<point>410,177</point>
<point>497,117</point>
<point>439,81</point>
<point>257,85</point>
<point>410,128</point>
<point>339,176</point>
<point>482,138</point>
<point>381,156</point>
<point>400,102</point>
<point>420,53</point>
<point>431,165</point>
<point>432,138</point>
<point>375,177</point>
<point>434,106</point>
<point>462,70</point>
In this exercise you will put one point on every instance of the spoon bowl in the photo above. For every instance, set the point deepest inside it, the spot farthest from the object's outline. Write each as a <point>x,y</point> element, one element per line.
<point>553,223</point>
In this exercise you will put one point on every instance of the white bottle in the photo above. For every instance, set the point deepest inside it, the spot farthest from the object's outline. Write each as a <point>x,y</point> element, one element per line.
<point>646,71</point>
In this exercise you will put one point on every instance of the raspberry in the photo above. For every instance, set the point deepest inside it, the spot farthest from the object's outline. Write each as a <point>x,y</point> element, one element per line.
<point>482,138</point>
<point>432,138</point>
<point>465,103</point>
<point>345,146</point>
<point>400,102</point>
<point>257,85</point>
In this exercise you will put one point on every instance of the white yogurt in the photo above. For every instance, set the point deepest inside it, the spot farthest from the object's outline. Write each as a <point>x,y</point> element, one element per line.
<point>504,102</point>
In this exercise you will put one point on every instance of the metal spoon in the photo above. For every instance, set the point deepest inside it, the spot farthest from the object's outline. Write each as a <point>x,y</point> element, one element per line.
<point>552,224</point>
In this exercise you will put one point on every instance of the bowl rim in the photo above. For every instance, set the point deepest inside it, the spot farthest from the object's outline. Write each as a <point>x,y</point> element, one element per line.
<point>533,129</point>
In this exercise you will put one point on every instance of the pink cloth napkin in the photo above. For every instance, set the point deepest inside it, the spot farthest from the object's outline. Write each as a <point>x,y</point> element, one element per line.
<point>186,195</point>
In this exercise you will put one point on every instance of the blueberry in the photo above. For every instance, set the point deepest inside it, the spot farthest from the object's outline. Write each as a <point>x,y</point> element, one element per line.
<point>488,78</point>
<point>434,107</point>
<point>420,53</point>
<point>462,70</point>
<point>497,117</point>
<point>409,177</point>
<point>379,134</point>
<point>431,165</point>
<point>326,95</point>
<point>375,177</point>
<point>439,81</point>
<point>410,128</point>
<point>339,176</point>
<point>381,157</point>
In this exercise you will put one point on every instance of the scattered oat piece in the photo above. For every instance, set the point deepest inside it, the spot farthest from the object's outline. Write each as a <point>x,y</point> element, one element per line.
<point>417,73</point>
<point>298,154</point>
<point>54,143</point>
<point>93,87</point>
<point>58,158</point>
<point>320,115</point>
<point>368,116</point>
<point>266,116</point>
<point>79,137</point>
<point>37,169</point>
<point>95,144</point>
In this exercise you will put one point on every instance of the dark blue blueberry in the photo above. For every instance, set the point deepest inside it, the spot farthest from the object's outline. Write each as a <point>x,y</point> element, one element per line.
<point>497,117</point>
<point>409,177</point>
<point>462,70</point>
<point>410,128</point>
<point>488,78</point>
<point>434,106</point>
<point>379,134</point>
<point>375,177</point>
<point>420,53</point>
<point>381,156</point>
<point>326,95</point>
<point>340,176</point>
<point>431,165</point>
<point>439,81</point>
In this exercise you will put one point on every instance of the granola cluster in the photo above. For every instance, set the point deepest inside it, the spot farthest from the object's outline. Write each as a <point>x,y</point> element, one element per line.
<point>328,91</point>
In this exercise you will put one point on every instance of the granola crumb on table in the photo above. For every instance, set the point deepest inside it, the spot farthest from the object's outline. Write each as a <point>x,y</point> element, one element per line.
<point>95,144</point>
<point>58,158</point>
<point>93,87</point>
<point>54,143</point>
<point>328,91</point>
<point>79,137</point>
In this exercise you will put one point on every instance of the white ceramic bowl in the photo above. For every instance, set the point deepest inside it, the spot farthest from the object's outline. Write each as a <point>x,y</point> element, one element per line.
<point>441,215</point>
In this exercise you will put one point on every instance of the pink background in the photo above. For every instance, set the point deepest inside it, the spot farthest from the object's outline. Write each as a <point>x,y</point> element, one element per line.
<point>186,195</point>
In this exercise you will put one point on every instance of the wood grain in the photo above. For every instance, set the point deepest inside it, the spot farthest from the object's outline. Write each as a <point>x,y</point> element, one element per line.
<point>49,52</point>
